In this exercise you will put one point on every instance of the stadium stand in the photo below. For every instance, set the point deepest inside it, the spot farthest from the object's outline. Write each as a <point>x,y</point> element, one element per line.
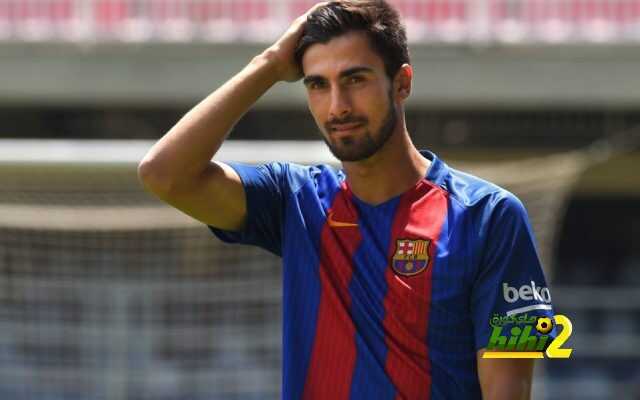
<point>518,21</point>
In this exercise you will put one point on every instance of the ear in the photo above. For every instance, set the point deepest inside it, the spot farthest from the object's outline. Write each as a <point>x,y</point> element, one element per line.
<point>402,82</point>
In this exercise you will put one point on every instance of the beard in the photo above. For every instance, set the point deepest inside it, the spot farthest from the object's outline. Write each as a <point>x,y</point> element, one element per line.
<point>361,147</point>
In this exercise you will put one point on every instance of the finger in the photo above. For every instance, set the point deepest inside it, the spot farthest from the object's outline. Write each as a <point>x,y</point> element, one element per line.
<point>312,9</point>
<point>316,6</point>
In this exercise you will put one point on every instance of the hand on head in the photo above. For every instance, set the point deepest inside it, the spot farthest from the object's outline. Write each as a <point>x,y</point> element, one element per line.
<point>282,51</point>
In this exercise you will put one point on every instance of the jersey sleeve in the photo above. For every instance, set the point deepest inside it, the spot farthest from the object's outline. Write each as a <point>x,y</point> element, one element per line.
<point>510,282</point>
<point>265,188</point>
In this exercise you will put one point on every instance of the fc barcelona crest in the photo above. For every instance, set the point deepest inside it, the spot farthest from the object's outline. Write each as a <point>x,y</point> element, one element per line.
<point>411,256</point>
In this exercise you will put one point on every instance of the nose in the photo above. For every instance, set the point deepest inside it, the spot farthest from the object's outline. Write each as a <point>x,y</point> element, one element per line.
<point>340,103</point>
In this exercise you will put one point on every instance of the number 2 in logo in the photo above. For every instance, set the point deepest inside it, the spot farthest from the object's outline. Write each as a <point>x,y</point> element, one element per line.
<point>555,350</point>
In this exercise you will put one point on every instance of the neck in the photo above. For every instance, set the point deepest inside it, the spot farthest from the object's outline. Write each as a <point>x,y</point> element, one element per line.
<point>391,171</point>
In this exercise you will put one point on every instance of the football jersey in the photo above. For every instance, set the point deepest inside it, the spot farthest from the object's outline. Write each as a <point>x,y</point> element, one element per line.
<point>390,301</point>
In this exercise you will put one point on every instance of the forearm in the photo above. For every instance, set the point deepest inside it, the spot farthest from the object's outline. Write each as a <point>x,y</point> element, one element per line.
<point>505,379</point>
<point>186,149</point>
<point>508,390</point>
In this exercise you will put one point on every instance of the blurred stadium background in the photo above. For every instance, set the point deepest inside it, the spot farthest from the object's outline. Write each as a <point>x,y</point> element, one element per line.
<point>107,294</point>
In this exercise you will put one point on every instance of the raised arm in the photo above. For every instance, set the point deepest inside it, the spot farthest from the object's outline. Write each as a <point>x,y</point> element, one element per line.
<point>178,168</point>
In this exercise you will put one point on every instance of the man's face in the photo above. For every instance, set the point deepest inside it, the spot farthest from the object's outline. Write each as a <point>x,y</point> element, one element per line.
<point>350,96</point>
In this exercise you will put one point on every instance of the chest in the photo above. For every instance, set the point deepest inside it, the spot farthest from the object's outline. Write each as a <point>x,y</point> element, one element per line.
<point>392,259</point>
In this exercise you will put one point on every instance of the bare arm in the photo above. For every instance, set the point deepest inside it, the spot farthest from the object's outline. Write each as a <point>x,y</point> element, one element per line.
<point>178,168</point>
<point>504,378</point>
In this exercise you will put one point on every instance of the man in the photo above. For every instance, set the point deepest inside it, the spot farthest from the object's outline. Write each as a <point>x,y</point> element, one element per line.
<point>393,266</point>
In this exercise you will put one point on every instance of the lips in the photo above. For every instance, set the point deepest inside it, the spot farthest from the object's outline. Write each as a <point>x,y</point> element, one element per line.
<point>345,127</point>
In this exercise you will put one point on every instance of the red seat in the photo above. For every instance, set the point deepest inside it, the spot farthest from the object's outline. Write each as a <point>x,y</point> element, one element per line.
<point>108,13</point>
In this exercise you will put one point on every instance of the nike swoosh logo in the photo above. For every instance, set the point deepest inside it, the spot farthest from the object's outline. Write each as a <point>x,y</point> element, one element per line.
<point>338,224</point>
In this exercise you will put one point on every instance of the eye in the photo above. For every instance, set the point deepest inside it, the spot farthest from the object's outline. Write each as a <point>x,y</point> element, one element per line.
<point>355,79</point>
<point>315,85</point>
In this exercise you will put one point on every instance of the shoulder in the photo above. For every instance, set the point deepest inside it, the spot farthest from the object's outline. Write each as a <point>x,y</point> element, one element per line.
<point>477,194</point>
<point>294,176</point>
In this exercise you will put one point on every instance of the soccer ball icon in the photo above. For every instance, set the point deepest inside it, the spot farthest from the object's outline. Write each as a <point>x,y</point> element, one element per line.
<point>544,325</point>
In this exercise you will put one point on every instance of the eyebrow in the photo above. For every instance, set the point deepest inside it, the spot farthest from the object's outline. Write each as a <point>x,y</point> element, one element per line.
<point>347,72</point>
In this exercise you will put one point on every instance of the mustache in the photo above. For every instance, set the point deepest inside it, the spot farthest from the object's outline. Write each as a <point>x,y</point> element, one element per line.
<point>329,126</point>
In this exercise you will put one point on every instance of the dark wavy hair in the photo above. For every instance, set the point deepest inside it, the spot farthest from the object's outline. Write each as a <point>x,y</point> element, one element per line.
<point>376,18</point>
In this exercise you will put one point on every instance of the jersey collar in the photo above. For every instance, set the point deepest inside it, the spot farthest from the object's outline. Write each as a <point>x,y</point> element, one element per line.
<point>437,170</point>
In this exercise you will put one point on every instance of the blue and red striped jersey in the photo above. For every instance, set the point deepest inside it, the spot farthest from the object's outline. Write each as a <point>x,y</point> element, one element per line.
<point>390,301</point>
